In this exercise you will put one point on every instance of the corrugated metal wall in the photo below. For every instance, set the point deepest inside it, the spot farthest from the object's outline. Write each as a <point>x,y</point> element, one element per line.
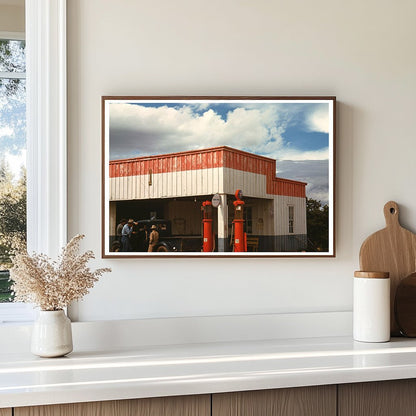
<point>279,186</point>
<point>252,184</point>
<point>167,185</point>
<point>197,182</point>
<point>192,170</point>
<point>206,172</point>
<point>281,213</point>
<point>263,216</point>
<point>175,162</point>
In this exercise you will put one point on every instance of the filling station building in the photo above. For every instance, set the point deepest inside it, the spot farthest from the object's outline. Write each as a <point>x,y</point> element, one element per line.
<point>174,186</point>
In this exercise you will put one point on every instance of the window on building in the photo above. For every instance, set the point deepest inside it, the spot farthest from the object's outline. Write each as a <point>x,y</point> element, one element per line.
<point>12,155</point>
<point>248,219</point>
<point>291,219</point>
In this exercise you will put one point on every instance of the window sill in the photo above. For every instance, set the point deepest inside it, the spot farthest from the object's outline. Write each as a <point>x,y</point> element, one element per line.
<point>155,371</point>
<point>16,313</point>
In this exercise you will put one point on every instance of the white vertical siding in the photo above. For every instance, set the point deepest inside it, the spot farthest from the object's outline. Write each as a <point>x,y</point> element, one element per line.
<point>167,185</point>
<point>281,214</point>
<point>252,184</point>
<point>263,217</point>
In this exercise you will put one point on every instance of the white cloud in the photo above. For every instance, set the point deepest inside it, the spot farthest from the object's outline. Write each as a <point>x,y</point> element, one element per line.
<point>139,130</point>
<point>318,120</point>
<point>298,155</point>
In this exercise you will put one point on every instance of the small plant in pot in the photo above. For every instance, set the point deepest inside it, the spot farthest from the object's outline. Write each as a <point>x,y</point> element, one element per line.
<point>52,286</point>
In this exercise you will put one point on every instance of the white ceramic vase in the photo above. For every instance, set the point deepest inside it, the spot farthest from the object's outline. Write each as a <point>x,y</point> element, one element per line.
<point>52,334</point>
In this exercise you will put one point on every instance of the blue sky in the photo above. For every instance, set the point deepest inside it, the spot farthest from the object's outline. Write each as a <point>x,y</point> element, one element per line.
<point>294,133</point>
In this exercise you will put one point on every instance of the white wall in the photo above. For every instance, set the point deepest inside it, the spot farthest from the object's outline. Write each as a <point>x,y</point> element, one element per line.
<point>360,51</point>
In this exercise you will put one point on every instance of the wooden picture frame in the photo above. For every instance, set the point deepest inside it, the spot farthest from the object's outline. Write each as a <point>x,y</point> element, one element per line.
<point>218,176</point>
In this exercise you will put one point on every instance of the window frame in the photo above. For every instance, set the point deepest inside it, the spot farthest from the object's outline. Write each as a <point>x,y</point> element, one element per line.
<point>46,125</point>
<point>12,35</point>
<point>248,218</point>
<point>46,121</point>
<point>291,219</point>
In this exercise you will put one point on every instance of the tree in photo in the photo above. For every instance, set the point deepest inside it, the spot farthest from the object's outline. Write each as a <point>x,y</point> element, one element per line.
<point>317,219</point>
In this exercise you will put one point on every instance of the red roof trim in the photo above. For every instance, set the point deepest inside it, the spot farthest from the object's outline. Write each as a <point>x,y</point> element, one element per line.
<point>191,152</point>
<point>215,157</point>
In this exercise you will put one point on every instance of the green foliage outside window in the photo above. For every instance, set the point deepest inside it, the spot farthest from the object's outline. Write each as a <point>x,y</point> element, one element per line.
<point>12,224</point>
<point>12,156</point>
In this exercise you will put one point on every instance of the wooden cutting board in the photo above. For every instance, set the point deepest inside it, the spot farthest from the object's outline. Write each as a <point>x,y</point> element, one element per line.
<point>393,250</point>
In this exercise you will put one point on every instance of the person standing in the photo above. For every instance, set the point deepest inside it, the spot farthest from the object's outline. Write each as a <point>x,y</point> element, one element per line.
<point>153,238</point>
<point>119,229</point>
<point>146,238</point>
<point>125,236</point>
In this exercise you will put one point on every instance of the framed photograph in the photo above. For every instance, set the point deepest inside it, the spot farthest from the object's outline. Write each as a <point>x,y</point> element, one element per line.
<point>218,176</point>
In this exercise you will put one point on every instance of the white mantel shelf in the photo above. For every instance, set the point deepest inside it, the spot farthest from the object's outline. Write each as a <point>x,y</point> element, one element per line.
<point>151,371</point>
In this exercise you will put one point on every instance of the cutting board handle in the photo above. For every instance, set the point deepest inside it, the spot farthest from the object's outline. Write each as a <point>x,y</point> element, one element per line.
<point>391,214</point>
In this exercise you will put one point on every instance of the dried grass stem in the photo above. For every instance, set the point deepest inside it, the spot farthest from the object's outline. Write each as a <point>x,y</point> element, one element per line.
<point>53,285</point>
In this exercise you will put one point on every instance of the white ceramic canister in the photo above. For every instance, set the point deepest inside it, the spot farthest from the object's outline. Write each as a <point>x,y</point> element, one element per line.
<point>371,308</point>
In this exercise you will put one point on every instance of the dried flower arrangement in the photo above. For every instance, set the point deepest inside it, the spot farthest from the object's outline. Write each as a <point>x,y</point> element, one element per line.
<point>52,285</point>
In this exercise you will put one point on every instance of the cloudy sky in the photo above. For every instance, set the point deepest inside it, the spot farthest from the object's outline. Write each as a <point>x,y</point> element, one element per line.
<point>294,133</point>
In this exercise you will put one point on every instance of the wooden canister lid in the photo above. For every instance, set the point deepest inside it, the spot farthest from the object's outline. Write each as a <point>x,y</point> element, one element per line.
<point>372,275</point>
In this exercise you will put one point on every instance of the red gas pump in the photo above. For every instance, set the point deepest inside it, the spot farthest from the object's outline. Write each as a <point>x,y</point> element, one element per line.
<point>207,222</point>
<point>240,240</point>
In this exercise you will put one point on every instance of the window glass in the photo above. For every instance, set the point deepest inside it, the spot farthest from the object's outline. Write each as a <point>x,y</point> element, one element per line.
<point>248,217</point>
<point>12,156</point>
<point>291,219</point>
<point>12,56</point>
